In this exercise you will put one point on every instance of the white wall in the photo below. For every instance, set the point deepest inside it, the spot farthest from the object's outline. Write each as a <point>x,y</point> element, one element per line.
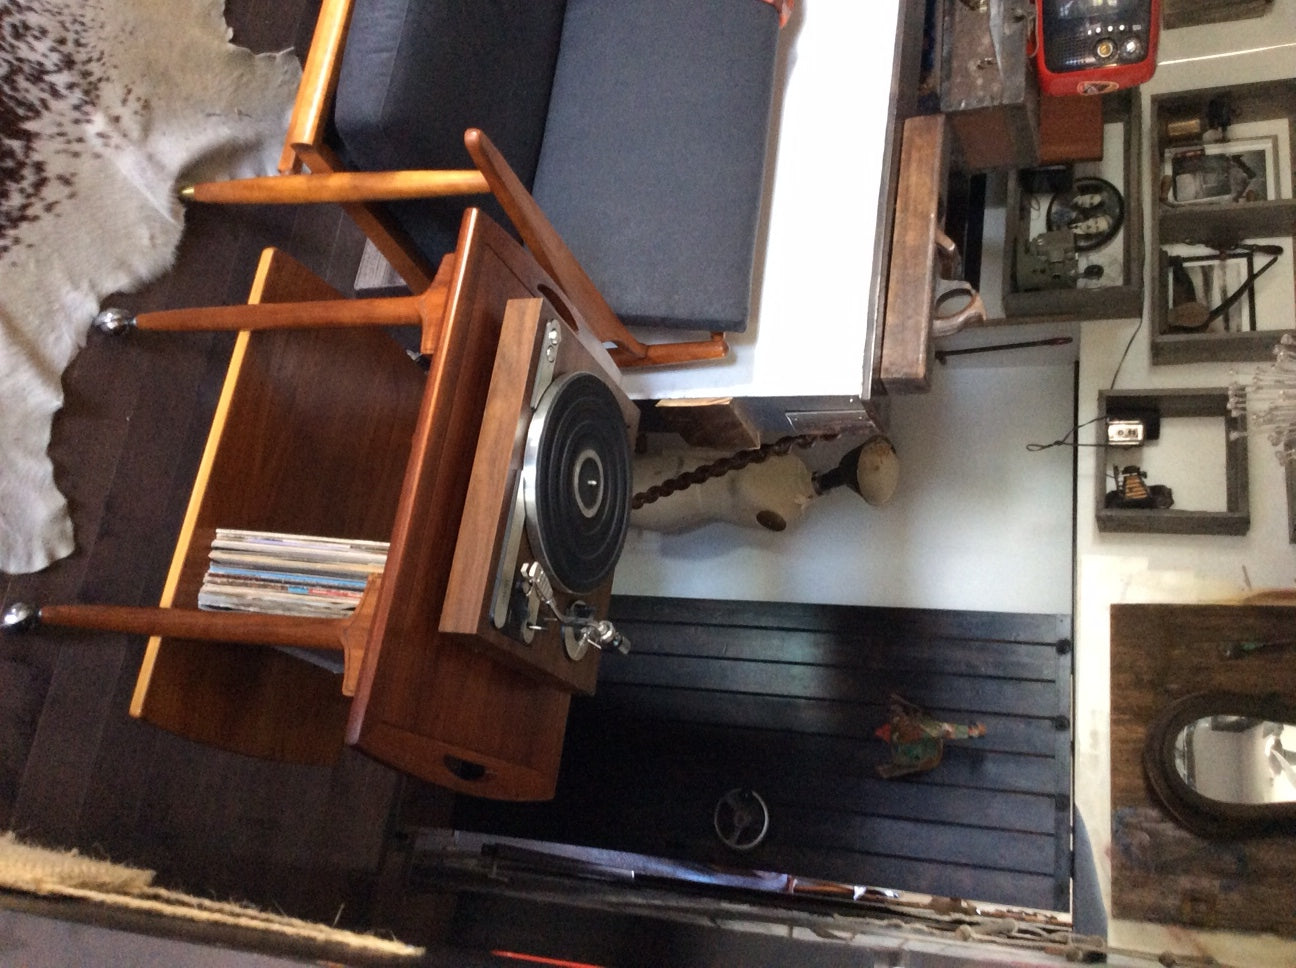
<point>978,522</point>
<point>1121,568</point>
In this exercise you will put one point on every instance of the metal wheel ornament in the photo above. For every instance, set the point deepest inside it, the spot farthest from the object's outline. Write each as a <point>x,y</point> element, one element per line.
<point>741,819</point>
<point>1092,209</point>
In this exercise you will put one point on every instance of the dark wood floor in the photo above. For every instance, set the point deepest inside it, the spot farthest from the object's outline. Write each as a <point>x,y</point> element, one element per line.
<point>784,699</point>
<point>75,770</point>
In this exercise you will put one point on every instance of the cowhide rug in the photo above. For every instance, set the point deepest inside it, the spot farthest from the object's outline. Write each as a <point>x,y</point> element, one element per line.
<point>105,105</point>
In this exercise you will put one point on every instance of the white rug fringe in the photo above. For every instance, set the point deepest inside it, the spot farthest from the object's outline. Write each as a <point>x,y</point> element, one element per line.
<point>55,873</point>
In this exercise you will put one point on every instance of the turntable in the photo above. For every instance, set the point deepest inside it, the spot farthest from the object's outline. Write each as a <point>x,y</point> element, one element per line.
<point>548,502</point>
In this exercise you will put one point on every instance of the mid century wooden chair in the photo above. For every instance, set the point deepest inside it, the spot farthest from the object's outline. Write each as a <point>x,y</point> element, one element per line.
<point>638,128</point>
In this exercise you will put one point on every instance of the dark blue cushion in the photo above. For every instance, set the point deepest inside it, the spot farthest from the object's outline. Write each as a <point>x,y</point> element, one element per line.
<point>643,138</point>
<point>653,160</point>
<point>417,73</point>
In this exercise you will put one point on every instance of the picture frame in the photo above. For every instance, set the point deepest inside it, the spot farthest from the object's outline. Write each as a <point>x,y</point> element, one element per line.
<point>1245,170</point>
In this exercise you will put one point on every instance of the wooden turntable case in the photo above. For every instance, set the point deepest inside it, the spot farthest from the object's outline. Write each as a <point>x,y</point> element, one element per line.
<point>497,468</point>
<point>335,432</point>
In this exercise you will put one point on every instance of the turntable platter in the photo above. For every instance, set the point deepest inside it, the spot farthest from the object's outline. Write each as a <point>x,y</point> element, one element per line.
<point>576,482</point>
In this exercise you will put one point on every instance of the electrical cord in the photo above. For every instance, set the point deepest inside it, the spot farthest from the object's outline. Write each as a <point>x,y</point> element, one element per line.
<point>1065,441</point>
<point>1121,362</point>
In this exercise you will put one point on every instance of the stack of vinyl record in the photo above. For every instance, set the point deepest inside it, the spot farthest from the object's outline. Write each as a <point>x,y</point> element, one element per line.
<point>288,574</point>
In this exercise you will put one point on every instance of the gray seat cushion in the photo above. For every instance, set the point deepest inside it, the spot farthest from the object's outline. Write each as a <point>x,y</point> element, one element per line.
<point>653,158</point>
<point>416,74</point>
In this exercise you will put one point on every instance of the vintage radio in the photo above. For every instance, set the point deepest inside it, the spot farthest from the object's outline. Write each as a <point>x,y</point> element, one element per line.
<point>1095,46</point>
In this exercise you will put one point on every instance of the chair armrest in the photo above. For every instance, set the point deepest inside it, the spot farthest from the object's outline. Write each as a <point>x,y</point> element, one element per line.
<point>306,127</point>
<point>546,244</point>
<point>553,255</point>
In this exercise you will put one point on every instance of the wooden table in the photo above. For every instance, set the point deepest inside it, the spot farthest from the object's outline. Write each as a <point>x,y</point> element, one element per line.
<point>337,432</point>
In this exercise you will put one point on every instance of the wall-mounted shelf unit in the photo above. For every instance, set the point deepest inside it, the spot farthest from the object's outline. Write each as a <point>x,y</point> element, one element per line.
<point>1119,293</point>
<point>1224,207</point>
<point>1167,405</point>
<point>1192,13</point>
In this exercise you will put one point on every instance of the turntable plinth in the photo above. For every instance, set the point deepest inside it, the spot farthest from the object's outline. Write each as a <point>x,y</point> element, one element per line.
<point>541,416</point>
<point>336,432</point>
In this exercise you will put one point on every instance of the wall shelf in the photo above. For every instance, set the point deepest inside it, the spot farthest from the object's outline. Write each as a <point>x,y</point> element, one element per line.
<point>1169,404</point>
<point>1256,159</point>
<point>1119,295</point>
<point>1227,222</point>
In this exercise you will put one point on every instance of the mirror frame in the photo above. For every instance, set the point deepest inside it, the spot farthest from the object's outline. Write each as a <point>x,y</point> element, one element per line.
<point>1204,816</point>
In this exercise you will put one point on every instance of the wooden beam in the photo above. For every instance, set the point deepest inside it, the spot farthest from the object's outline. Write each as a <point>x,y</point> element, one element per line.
<point>906,328</point>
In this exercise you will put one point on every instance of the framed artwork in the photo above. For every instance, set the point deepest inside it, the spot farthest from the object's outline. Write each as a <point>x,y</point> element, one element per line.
<point>1229,171</point>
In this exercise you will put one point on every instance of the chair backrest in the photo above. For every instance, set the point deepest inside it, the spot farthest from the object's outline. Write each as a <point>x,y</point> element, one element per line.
<point>640,126</point>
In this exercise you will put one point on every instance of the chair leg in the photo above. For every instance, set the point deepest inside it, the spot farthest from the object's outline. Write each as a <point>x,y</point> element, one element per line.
<point>346,635</point>
<point>391,311</point>
<point>245,628</point>
<point>339,186</point>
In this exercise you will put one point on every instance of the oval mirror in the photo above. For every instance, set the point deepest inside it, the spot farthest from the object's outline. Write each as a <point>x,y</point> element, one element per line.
<point>1237,759</point>
<point>1224,764</point>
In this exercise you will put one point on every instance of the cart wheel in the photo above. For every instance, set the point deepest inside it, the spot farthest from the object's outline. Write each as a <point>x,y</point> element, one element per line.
<point>741,819</point>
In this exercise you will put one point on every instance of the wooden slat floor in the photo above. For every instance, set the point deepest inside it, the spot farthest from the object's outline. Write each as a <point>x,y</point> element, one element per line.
<point>784,699</point>
<point>75,770</point>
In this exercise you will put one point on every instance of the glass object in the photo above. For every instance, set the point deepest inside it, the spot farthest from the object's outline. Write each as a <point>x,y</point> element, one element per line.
<point>1268,402</point>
